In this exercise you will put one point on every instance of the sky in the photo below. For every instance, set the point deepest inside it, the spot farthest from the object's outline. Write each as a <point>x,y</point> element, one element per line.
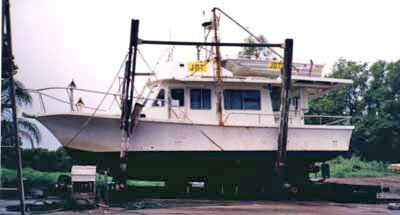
<point>56,41</point>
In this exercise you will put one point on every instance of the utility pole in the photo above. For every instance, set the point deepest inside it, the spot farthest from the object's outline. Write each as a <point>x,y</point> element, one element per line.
<point>7,72</point>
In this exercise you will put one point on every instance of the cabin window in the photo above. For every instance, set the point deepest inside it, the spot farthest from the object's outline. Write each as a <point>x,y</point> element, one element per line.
<point>200,99</point>
<point>179,95</point>
<point>276,98</point>
<point>160,99</point>
<point>242,100</point>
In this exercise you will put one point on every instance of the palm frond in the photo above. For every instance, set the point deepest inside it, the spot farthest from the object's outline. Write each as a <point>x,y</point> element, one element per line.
<point>22,96</point>
<point>5,128</point>
<point>5,113</point>
<point>27,136</point>
<point>30,128</point>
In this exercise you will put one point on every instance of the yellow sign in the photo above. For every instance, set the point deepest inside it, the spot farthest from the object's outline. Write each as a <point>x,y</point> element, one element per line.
<point>273,65</point>
<point>197,67</point>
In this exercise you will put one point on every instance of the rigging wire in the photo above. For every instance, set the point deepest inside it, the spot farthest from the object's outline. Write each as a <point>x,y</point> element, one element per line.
<point>151,70</point>
<point>83,127</point>
<point>249,32</point>
<point>145,61</point>
<point>199,129</point>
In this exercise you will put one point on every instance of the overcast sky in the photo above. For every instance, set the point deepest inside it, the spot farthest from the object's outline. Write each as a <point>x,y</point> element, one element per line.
<point>56,41</point>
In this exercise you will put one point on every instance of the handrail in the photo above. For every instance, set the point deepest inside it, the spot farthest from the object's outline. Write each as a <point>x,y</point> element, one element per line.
<point>339,119</point>
<point>115,95</point>
<point>57,99</point>
<point>328,116</point>
<point>256,114</point>
<point>78,89</point>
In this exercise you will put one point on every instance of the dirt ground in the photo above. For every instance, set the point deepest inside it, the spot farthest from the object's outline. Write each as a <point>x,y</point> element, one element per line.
<point>239,207</point>
<point>224,207</point>
<point>390,181</point>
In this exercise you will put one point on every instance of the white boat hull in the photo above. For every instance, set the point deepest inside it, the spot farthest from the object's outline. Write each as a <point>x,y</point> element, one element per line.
<point>103,134</point>
<point>160,149</point>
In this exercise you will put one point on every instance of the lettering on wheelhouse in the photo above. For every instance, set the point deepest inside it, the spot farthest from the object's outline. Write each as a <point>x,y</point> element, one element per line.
<point>197,67</point>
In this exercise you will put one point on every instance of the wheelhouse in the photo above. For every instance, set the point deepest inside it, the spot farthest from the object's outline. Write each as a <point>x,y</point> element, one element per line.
<point>253,105</point>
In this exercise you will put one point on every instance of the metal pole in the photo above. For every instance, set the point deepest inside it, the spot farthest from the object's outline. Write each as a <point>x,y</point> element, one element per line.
<point>1,170</point>
<point>187,43</point>
<point>71,98</point>
<point>8,67</point>
<point>134,42</point>
<point>281,161</point>
<point>71,87</point>
<point>219,88</point>
<point>129,76</point>
<point>128,95</point>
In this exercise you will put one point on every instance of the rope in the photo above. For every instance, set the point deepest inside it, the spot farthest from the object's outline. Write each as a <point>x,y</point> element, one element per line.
<point>83,127</point>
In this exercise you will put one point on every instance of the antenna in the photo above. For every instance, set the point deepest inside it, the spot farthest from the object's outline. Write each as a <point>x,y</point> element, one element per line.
<point>171,52</point>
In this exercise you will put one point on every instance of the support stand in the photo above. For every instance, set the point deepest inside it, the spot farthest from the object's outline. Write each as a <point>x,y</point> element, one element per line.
<point>281,160</point>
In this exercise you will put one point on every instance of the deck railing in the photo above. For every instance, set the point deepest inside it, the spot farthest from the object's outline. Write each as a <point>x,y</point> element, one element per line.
<point>259,115</point>
<point>326,120</point>
<point>307,119</point>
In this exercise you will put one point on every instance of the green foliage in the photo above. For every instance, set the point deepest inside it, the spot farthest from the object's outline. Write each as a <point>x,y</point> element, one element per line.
<point>8,175</point>
<point>27,130</point>
<point>248,52</point>
<point>31,176</point>
<point>36,177</point>
<point>145,183</point>
<point>356,167</point>
<point>22,96</point>
<point>373,102</point>
<point>39,159</point>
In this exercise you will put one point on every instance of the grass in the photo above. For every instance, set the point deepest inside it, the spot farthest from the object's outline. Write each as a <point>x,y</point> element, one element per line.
<point>36,177</point>
<point>31,176</point>
<point>356,167</point>
<point>145,183</point>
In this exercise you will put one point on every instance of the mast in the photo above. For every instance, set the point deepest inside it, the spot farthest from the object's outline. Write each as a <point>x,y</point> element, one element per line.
<point>219,88</point>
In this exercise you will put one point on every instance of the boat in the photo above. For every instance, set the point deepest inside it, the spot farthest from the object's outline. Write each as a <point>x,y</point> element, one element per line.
<point>184,134</point>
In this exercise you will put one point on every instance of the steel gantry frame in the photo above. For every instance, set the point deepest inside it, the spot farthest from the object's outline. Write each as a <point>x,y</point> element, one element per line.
<point>127,122</point>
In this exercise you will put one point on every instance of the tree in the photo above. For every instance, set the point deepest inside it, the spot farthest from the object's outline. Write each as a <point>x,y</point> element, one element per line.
<point>249,52</point>
<point>381,124</point>
<point>373,102</point>
<point>26,129</point>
